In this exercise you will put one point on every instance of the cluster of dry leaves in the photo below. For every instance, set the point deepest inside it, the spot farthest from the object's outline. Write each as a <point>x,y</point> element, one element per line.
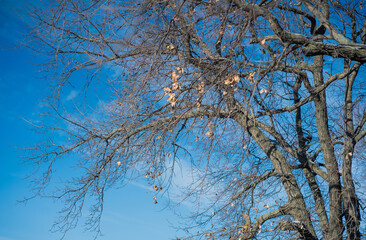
<point>175,86</point>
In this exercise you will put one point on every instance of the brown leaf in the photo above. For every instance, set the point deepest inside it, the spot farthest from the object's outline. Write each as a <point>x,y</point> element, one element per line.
<point>209,134</point>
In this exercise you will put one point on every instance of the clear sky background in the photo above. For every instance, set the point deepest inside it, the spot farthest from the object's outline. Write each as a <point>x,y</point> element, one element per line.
<point>129,211</point>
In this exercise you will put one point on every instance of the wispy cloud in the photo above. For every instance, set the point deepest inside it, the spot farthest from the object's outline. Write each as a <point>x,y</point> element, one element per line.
<point>145,187</point>
<point>6,238</point>
<point>73,94</point>
<point>183,180</point>
<point>190,187</point>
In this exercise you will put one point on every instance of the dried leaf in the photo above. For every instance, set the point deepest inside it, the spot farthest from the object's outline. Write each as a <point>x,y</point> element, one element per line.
<point>209,134</point>
<point>175,86</point>
<point>251,77</point>
<point>174,76</point>
<point>180,70</point>
<point>232,80</point>
<point>169,47</point>
<point>200,88</point>
<point>171,99</point>
<point>198,104</point>
<point>167,90</point>
<point>263,90</point>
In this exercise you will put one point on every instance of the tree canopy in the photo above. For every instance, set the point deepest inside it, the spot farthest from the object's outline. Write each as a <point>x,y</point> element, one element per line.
<point>264,100</point>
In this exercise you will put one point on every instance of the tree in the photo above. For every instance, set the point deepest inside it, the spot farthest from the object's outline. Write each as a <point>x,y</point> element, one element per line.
<point>265,99</point>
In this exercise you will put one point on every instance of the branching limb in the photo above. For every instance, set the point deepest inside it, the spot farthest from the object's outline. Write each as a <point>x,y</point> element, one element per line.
<point>255,183</point>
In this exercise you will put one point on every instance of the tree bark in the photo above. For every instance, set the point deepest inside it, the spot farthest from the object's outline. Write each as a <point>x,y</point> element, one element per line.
<point>297,206</point>
<point>334,184</point>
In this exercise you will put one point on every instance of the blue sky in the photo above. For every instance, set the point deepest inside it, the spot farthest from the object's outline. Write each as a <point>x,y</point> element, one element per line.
<point>129,211</point>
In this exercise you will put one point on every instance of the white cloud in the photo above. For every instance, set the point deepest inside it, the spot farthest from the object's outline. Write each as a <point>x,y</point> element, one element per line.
<point>73,94</point>
<point>145,187</point>
<point>6,238</point>
<point>191,187</point>
<point>185,179</point>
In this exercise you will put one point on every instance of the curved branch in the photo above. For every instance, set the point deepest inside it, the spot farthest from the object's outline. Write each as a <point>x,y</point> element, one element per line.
<point>255,183</point>
<point>260,220</point>
<point>354,53</point>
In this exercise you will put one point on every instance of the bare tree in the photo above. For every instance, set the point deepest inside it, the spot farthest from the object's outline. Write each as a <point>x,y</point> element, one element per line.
<point>264,99</point>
